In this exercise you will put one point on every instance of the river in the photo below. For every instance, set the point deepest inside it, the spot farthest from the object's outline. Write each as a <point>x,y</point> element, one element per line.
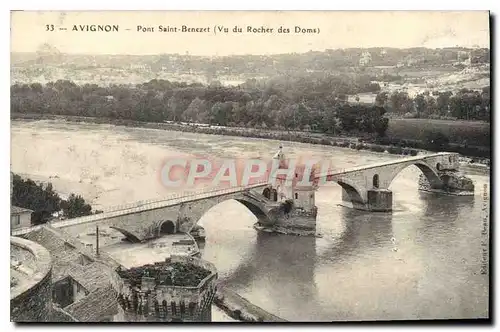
<point>423,261</point>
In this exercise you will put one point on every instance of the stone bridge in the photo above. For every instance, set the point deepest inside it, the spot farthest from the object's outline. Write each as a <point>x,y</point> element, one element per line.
<point>146,220</point>
<point>183,216</point>
<point>366,187</point>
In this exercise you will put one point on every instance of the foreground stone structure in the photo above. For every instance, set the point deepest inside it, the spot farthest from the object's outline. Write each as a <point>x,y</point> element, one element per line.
<point>154,302</point>
<point>30,289</point>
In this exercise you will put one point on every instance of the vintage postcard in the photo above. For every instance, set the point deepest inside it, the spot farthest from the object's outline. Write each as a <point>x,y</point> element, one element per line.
<point>190,166</point>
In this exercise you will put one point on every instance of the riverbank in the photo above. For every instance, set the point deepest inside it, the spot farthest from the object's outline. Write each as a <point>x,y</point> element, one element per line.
<point>295,136</point>
<point>241,309</point>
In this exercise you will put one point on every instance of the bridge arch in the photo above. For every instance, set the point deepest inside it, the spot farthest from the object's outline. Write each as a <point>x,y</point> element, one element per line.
<point>129,235</point>
<point>191,213</point>
<point>166,227</point>
<point>430,173</point>
<point>353,194</point>
<point>254,208</point>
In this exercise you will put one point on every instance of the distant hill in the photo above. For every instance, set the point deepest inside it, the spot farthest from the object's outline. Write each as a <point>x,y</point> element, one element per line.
<point>347,57</point>
<point>48,63</point>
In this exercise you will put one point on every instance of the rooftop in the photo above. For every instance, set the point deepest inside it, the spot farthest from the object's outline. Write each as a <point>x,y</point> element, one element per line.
<point>70,258</point>
<point>19,210</point>
<point>95,306</point>
<point>166,273</point>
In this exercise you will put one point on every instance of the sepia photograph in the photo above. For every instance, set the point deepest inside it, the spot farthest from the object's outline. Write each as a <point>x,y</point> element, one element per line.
<point>250,167</point>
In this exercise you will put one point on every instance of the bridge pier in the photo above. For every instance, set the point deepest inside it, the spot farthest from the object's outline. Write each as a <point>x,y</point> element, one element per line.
<point>378,200</point>
<point>451,183</point>
<point>297,221</point>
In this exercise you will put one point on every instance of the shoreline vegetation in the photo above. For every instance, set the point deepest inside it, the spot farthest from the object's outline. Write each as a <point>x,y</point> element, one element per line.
<point>45,202</point>
<point>398,147</point>
<point>310,108</point>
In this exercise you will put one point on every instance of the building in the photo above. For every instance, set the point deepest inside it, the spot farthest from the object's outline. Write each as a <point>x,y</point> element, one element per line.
<point>293,186</point>
<point>365,59</point>
<point>20,217</point>
<point>81,288</point>
<point>150,294</point>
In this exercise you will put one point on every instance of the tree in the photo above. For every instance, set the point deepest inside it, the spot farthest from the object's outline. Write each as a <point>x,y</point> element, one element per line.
<point>194,109</point>
<point>43,200</point>
<point>75,206</point>
<point>443,102</point>
<point>485,103</point>
<point>420,104</point>
<point>381,99</point>
<point>401,103</point>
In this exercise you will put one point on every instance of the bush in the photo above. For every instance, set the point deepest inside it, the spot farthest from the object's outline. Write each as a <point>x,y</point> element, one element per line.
<point>395,150</point>
<point>377,148</point>
<point>325,141</point>
<point>482,152</point>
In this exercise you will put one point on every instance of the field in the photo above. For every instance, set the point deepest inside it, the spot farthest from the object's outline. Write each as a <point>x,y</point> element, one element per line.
<point>476,133</point>
<point>412,73</point>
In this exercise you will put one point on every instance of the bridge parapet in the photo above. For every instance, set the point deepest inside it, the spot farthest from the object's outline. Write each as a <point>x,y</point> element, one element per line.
<point>142,206</point>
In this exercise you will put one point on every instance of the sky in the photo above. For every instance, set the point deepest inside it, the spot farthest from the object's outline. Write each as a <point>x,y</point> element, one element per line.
<point>334,30</point>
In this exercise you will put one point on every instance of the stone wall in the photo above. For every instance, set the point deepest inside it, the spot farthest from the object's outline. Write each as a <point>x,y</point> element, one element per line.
<point>31,298</point>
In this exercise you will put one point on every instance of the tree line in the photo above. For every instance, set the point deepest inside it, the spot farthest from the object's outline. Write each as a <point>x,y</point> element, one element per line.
<point>316,102</point>
<point>44,201</point>
<point>466,104</point>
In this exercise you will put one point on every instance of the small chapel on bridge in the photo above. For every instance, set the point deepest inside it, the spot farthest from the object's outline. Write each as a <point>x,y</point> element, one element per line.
<point>289,185</point>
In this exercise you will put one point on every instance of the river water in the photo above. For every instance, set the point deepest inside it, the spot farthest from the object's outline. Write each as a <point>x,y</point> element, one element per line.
<point>423,261</point>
